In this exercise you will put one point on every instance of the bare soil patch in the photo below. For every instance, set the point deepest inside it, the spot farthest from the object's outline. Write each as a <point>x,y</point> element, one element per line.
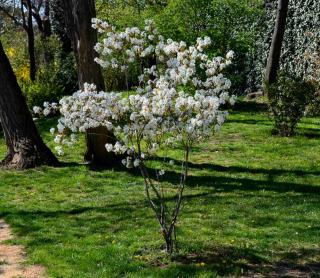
<point>12,258</point>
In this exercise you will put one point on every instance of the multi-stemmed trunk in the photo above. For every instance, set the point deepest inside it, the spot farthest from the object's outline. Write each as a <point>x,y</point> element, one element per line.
<point>167,219</point>
<point>25,146</point>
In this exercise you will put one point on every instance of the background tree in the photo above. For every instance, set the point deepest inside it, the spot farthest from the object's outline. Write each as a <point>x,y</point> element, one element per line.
<point>25,146</point>
<point>78,15</point>
<point>59,26</point>
<point>276,44</point>
<point>40,10</point>
<point>300,40</point>
<point>25,20</point>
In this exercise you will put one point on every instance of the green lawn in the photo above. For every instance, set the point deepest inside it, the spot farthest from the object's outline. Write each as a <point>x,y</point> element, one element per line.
<point>252,206</point>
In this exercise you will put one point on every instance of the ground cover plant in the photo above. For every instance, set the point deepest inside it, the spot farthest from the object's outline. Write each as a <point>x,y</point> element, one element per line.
<point>241,215</point>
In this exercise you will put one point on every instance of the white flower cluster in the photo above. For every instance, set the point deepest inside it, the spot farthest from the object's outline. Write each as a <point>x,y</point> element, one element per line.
<point>177,101</point>
<point>49,109</point>
<point>124,47</point>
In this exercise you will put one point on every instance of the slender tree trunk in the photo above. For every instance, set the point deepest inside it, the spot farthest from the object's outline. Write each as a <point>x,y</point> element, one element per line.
<point>46,33</point>
<point>31,48</point>
<point>25,146</point>
<point>28,27</point>
<point>277,40</point>
<point>78,15</point>
<point>42,17</point>
<point>46,20</point>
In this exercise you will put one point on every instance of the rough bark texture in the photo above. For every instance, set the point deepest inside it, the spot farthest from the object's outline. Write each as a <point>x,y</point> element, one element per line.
<point>78,15</point>
<point>60,26</point>
<point>277,40</point>
<point>25,147</point>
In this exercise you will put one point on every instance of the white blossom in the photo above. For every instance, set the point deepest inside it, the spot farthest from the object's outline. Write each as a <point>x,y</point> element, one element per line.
<point>59,150</point>
<point>161,111</point>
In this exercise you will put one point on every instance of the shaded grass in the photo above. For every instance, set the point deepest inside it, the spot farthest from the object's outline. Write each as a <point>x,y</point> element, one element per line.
<point>251,206</point>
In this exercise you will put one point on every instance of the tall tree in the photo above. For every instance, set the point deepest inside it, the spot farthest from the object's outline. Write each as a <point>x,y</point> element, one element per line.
<point>31,11</point>
<point>24,20</point>
<point>59,25</point>
<point>78,15</point>
<point>25,146</point>
<point>273,63</point>
<point>40,10</point>
<point>28,26</point>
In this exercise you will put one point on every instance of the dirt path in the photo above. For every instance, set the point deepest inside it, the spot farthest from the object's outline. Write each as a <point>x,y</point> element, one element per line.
<point>12,258</point>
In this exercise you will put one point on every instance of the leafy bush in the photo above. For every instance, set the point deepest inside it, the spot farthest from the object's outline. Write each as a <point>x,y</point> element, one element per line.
<point>313,108</point>
<point>313,58</point>
<point>52,82</point>
<point>288,99</point>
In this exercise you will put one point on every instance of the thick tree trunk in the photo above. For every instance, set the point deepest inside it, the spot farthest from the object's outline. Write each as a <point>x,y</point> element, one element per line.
<point>78,15</point>
<point>60,26</point>
<point>277,40</point>
<point>25,147</point>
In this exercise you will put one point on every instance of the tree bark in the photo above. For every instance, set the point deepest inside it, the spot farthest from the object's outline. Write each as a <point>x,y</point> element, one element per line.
<point>59,25</point>
<point>78,15</point>
<point>25,146</point>
<point>41,14</point>
<point>273,63</point>
<point>28,27</point>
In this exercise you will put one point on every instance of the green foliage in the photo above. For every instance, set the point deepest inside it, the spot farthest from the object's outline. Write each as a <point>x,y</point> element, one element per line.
<point>288,99</point>
<point>229,23</point>
<point>313,108</point>
<point>301,39</point>
<point>54,79</point>
<point>52,82</point>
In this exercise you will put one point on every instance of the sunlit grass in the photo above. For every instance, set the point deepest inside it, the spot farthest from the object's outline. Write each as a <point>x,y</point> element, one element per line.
<point>252,205</point>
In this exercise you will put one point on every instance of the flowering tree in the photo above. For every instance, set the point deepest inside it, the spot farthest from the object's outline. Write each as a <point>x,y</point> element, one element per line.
<point>176,104</point>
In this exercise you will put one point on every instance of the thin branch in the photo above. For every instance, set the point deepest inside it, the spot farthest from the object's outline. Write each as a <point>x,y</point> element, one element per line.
<point>12,17</point>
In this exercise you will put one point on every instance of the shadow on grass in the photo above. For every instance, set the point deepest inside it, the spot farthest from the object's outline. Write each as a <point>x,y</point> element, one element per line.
<point>250,106</point>
<point>308,132</point>
<point>227,183</point>
<point>121,213</point>
<point>250,121</point>
<point>219,260</point>
<point>246,262</point>
<point>238,169</point>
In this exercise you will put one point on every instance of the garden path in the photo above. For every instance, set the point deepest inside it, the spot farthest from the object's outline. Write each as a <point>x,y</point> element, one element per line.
<point>12,258</point>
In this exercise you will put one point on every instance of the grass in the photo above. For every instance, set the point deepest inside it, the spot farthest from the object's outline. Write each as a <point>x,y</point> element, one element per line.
<point>251,206</point>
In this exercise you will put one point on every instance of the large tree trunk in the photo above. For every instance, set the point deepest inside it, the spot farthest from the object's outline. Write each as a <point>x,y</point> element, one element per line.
<point>25,147</point>
<point>78,14</point>
<point>277,40</point>
<point>59,25</point>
